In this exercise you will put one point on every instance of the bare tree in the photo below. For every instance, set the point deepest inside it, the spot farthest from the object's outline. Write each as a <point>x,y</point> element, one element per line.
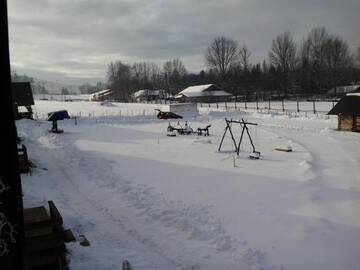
<point>173,70</point>
<point>119,77</point>
<point>244,56</point>
<point>357,58</point>
<point>325,60</point>
<point>283,56</point>
<point>221,54</point>
<point>317,42</point>
<point>337,58</point>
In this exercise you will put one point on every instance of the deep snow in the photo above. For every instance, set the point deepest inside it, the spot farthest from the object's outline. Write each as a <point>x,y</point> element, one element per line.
<point>177,203</point>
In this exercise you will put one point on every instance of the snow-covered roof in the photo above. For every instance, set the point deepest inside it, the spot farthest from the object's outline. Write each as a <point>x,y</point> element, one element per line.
<point>196,89</point>
<point>146,92</point>
<point>204,90</point>
<point>102,92</point>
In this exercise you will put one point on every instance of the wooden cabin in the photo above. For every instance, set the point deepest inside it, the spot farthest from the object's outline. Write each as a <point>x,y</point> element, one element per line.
<point>348,112</point>
<point>22,97</point>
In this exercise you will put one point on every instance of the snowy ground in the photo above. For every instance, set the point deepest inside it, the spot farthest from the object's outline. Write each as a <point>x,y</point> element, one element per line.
<point>177,203</point>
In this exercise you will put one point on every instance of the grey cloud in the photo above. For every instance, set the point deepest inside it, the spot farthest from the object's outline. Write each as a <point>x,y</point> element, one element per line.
<point>76,39</point>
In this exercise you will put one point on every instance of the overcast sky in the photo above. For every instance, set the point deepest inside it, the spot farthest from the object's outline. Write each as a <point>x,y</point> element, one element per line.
<point>72,41</point>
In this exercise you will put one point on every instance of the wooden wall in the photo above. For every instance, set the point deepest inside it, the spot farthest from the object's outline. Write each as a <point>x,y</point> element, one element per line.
<point>349,123</point>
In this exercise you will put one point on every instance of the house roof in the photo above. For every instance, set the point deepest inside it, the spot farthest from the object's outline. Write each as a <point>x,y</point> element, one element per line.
<point>22,94</point>
<point>348,105</point>
<point>204,90</point>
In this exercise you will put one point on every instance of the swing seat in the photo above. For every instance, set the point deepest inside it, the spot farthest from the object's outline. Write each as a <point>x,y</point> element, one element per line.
<point>254,155</point>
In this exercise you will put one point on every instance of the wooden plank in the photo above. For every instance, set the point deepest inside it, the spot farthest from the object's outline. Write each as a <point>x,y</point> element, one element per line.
<point>44,242</point>
<point>50,257</point>
<point>55,216</point>
<point>69,236</point>
<point>35,215</point>
<point>38,231</point>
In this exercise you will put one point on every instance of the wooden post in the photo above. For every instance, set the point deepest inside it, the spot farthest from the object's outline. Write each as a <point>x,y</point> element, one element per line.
<point>11,206</point>
<point>297,104</point>
<point>257,102</point>
<point>353,128</point>
<point>269,105</point>
<point>228,127</point>
<point>282,104</point>
<point>314,109</point>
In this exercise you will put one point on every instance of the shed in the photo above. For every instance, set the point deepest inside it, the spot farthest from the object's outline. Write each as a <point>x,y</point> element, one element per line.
<point>203,93</point>
<point>22,96</point>
<point>148,95</point>
<point>348,112</point>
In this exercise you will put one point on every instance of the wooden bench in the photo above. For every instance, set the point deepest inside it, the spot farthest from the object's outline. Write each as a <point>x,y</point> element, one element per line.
<point>205,130</point>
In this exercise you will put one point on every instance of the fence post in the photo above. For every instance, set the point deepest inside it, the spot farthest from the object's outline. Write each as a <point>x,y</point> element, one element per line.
<point>257,103</point>
<point>314,106</point>
<point>235,103</point>
<point>297,104</point>
<point>245,103</point>
<point>269,105</point>
<point>282,104</point>
<point>225,106</point>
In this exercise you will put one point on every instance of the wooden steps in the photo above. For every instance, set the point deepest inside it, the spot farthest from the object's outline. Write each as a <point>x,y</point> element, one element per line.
<point>44,238</point>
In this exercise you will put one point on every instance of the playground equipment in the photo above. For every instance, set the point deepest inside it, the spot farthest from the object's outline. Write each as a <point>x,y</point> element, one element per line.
<point>244,126</point>
<point>167,115</point>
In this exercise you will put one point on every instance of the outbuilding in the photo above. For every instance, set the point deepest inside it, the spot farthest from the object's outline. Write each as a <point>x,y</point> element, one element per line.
<point>348,112</point>
<point>203,93</point>
<point>22,97</point>
<point>149,95</point>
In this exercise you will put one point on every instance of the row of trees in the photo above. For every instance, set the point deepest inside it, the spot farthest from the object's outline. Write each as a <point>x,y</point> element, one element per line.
<point>126,79</point>
<point>321,61</point>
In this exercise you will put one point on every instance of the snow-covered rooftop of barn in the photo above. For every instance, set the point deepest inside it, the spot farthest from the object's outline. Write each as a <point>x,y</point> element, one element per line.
<point>200,90</point>
<point>147,92</point>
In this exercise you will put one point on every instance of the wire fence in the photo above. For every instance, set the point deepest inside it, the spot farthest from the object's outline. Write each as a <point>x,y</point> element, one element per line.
<point>284,106</point>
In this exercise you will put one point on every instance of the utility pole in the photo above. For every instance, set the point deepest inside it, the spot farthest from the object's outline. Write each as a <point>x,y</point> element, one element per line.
<point>11,205</point>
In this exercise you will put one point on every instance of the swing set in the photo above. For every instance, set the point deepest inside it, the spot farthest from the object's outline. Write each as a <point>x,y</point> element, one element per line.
<point>244,126</point>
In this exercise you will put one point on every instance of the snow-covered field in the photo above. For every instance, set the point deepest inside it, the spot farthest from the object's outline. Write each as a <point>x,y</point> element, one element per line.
<point>177,203</point>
